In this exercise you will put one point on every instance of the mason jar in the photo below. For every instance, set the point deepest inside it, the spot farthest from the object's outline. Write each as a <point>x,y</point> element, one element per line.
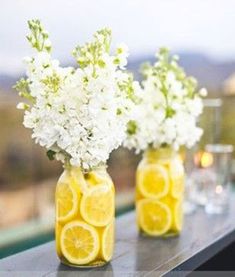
<point>159,192</point>
<point>84,226</point>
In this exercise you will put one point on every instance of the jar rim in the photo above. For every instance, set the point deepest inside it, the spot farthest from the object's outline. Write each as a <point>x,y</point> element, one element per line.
<point>161,152</point>
<point>219,148</point>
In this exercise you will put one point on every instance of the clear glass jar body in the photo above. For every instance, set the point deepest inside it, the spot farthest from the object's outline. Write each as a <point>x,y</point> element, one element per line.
<point>85,207</point>
<point>159,193</point>
<point>219,178</point>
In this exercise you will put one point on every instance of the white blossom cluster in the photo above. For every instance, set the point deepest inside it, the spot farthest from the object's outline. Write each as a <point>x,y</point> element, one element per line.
<point>169,107</point>
<point>78,114</point>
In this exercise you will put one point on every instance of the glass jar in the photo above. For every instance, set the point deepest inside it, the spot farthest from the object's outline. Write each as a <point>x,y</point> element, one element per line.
<point>159,192</point>
<point>85,217</point>
<point>219,185</point>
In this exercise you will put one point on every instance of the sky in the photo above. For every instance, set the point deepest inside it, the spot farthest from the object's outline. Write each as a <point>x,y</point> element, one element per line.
<point>204,26</point>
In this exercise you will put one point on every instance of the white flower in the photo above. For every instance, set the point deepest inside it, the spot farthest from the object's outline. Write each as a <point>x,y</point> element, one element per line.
<point>168,110</point>
<point>122,48</point>
<point>21,106</point>
<point>122,54</point>
<point>80,115</point>
<point>203,92</point>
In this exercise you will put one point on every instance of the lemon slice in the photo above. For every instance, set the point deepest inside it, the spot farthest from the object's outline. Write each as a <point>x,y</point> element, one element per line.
<point>93,178</point>
<point>138,195</point>
<point>58,229</point>
<point>178,216</point>
<point>177,178</point>
<point>97,205</point>
<point>78,179</point>
<point>153,181</point>
<point>67,202</point>
<point>108,242</point>
<point>79,242</point>
<point>169,201</point>
<point>98,177</point>
<point>154,217</point>
<point>178,187</point>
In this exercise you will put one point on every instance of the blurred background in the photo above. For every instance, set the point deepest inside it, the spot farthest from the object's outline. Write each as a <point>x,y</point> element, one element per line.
<point>201,32</point>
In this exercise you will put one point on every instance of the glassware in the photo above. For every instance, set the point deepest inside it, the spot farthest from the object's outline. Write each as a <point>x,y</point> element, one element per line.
<point>210,121</point>
<point>199,175</point>
<point>85,217</point>
<point>218,188</point>
<point>159,193</point>
<point>189,203</point>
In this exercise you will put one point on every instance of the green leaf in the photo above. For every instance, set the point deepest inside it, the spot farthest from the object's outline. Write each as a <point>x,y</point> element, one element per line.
<point>51,155</point>
<point>119,111</point>
<point>131,127</point>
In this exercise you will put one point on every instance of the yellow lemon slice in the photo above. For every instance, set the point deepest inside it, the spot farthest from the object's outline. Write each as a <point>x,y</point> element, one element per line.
<point>108,242</point>
<point>138,195</point>
<point>93,179</point>
<point>153,181</point>
<point>98,177</point>
<point>178,187</point>
<point>58,229</point>
<point>177,178</point>
<point>154,217</point>
<point>79,242</point>
<point>178,216</point>
<point>78,179</point>
<point>168,200</point>
<point>97,205</point>
<point>67,202</point>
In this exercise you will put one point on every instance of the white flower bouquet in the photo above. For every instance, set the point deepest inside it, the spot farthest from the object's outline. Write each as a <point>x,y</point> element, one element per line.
<point>169,107</point>
<point>78,114</point>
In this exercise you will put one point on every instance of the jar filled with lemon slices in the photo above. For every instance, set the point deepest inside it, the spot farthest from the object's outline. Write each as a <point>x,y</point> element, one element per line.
<point>159,193</point>
<point>80,115</point>
<point>85,217</point>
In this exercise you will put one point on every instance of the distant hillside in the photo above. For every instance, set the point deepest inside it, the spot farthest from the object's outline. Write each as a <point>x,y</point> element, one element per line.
<point>209,73</point>
<point>6,82</point>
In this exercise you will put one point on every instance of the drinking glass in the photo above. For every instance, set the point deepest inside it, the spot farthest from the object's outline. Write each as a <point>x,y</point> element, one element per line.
<point>218,188</point>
